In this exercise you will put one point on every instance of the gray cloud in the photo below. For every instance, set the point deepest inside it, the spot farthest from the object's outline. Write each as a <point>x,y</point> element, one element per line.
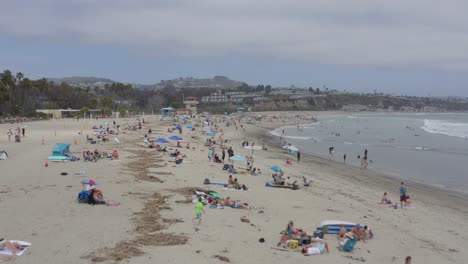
<point>424,33</point>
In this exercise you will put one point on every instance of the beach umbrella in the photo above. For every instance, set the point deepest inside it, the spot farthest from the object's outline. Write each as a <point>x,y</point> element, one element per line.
<point>189,126</point>
<point>24,126</point>
<point>106,123</point>
<point>276,169</point>
<point>237,158</point>
<point>161,140</point>
<point>175,138</point>
<point>89,181</point>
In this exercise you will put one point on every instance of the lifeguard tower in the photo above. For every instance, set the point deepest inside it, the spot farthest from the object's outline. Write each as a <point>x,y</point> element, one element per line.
<point>191,103</point>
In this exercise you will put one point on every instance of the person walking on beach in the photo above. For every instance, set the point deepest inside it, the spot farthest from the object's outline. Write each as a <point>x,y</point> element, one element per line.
<point>199,211</point>
<point>298,156</point>
<point>223,155</point>
<point>9,134</point>
<point>344,158</point>
<point>23,130</point>
<point>403,194</point>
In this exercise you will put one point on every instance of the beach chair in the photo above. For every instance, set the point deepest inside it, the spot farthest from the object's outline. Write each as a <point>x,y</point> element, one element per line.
<point>348,245</point>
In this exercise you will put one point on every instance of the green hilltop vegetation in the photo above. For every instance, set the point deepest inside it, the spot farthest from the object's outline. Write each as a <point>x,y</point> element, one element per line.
<point>21,96</point>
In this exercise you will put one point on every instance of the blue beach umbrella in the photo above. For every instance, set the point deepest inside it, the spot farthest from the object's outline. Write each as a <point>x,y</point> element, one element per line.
<point>189,125</point>
<point>161,140</point>
<point>175,138</point>
<point>276,169</point>
<point>237,158</point>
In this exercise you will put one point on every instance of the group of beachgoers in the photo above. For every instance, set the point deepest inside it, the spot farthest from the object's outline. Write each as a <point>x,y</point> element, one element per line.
<point>314,244</point>
<point>19,133</point>
<point>94,156</point>
<point>90,194</point>
<point>405,200</point>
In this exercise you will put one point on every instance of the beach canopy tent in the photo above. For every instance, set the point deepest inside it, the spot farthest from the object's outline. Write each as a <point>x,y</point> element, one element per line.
<point>175,138</point>
<point>291,148</point>
<point>161,140</point>
<point>60,152</point>
<point>3,155</point>
<point>237,158</point>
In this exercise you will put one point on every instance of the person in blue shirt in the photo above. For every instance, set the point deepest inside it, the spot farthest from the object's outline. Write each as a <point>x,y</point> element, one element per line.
<point>402,193</point>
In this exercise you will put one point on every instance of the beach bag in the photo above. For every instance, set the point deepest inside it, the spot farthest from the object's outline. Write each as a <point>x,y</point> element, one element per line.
<point>83,197</point>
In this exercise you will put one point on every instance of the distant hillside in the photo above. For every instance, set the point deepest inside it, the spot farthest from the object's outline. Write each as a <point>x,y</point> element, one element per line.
<point>220,82</point>
<point>83,81</point>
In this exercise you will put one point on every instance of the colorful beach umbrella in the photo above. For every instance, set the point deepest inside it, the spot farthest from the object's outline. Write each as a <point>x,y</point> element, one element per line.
<point>161,140</point>
<point>175,138</point>
<point>89,181</point>
<point>276,169</point>
<point>237,158</point>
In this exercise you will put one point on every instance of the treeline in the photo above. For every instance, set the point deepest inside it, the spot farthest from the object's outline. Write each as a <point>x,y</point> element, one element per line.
<point>21,96</point>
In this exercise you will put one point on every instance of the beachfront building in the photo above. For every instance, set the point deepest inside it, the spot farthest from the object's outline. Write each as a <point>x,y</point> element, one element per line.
<point>191,103</point>
<point>64,113</point>
<point>233,97</point>
<point>167,111</point>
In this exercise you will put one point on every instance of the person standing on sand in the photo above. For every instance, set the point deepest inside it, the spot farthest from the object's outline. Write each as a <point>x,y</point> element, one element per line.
<point>9,134</point>
<point>344,158</point>
<point>223,155</point>
<point>298,156</point>
<point>408,260</point>
<point>199,211</point>
<point>403,193</point>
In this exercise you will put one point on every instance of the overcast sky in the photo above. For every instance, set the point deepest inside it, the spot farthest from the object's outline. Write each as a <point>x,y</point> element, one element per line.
<point>405,47</point>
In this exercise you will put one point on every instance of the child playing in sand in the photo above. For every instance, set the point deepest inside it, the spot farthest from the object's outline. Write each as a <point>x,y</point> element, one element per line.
<point>199,210</point>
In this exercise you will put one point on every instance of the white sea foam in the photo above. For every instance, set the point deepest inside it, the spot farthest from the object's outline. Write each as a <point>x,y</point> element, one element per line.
<point>277,132</point>
<point>446,128</point>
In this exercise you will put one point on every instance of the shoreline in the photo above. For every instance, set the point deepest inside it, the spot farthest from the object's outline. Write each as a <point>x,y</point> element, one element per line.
<point>449,197</point>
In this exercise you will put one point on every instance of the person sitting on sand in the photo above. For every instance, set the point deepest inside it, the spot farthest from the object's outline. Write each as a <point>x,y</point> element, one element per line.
<point>367,233</point>
<point>342,233</point>
<point>217,159</point>
<point>235,204</point>
<point>238,186</point>
<point>385,200</point>
<point>357,231</point>
<point>230,181</point>
<point>277,179</point>
<point>320,248</point>
<point>407,201</point>
<point>291,232</point>
<point>254,172</point>
<point>95,197</point>
<point>179,158</point>
<point>347,236</point>
<point>115,155</point>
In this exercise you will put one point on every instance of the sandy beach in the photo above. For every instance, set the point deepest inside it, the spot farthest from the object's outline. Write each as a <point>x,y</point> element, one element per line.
<point>153,224</point>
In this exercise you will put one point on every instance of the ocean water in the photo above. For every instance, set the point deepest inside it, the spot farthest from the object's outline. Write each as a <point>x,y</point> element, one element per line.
<point>426,148</point>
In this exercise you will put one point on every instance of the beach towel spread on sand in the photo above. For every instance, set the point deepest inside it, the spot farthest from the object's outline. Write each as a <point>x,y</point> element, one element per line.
<point>25,245</point>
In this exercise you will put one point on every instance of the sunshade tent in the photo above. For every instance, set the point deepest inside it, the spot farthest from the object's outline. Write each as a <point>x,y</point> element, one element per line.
<point>3,155</point>
<point>276,169</point>
<point>237,158</point>
<point>161,140</point>
<point>175,138</point>
<point>292,148</point>
<point>189,125</point>
<point>60,152</point>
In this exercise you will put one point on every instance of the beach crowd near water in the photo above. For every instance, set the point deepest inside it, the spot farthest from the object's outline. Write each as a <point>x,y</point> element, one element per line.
<point>209,189</point>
